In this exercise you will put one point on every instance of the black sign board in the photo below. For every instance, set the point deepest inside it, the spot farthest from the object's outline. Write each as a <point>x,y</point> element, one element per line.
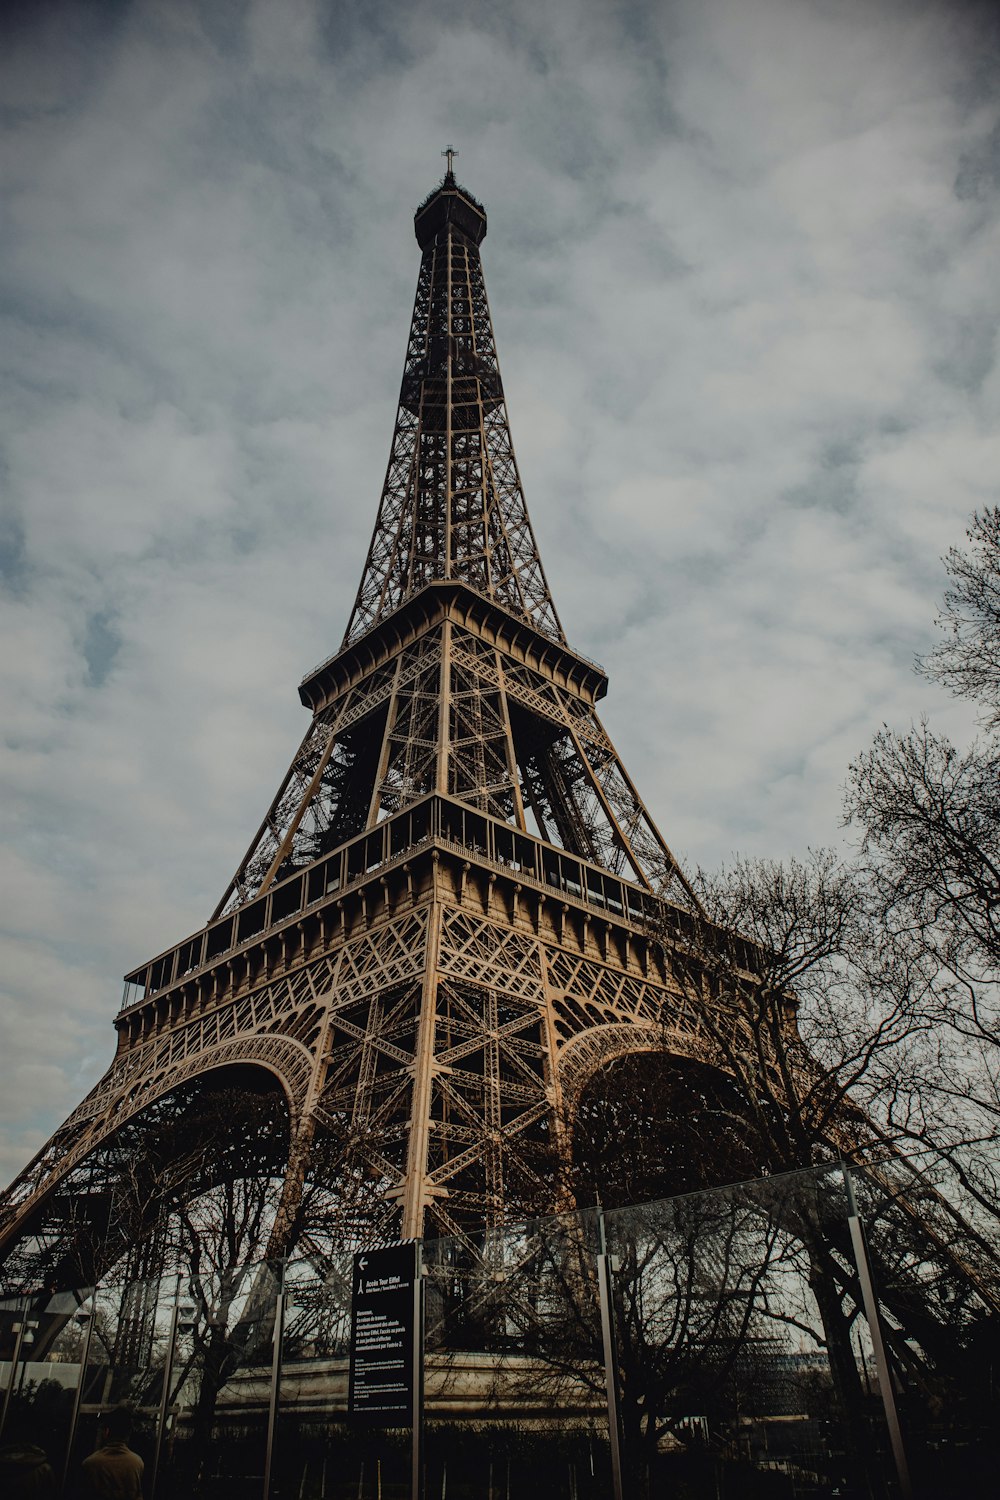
<point>384,1360</point>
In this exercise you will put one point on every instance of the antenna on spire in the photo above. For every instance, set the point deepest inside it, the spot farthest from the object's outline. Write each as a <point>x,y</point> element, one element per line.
<point>450,152</point>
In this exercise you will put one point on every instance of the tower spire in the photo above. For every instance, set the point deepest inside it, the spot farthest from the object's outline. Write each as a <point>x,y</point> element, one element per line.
<point>452,505</point>
<point>455,677</point>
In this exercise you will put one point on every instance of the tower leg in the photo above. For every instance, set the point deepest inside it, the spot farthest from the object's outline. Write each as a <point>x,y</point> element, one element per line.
<point>414,1186</point>
<point>283,1231</point>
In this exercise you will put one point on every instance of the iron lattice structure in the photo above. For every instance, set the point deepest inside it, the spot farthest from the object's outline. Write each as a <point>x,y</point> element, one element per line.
<point>441,929</point>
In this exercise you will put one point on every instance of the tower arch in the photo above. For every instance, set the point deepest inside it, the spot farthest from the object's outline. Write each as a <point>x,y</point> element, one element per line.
<point>589,1052</point>
<point>650,1112</point>
<point>228,1121</point>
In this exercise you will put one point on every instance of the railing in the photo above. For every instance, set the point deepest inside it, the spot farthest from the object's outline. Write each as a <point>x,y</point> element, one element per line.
<point>433,818</point>
<point>519,620</point>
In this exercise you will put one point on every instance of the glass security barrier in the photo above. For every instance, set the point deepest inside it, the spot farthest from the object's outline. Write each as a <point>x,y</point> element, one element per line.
<point>823,1333</point>
<point>316,1452</point>
<point>46,1339</point>
<point>216,1412</point>
<point>125,1359</point>
<point>514,1381</point>
<point>737,1361</point>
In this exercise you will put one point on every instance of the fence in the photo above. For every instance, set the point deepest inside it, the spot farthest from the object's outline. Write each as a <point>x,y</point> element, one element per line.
<point>723,1343</point>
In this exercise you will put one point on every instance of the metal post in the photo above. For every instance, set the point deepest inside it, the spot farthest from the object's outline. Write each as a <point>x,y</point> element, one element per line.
<point>13,1370</point>
<point>878,1347</point>
<point>272,1411</point>
<point>605,1266</point>
<point>417,1418</point>
<point>168,1371</point>
<point>78,1394</point>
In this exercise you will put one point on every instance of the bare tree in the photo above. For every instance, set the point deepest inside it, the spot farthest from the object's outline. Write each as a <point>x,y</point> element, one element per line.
<point>822,1027</point>
<point>796,1008</point>
<point>929,815</point>
<point>693,1298</point>
<point>197,1181</point>
<point>967,661</point>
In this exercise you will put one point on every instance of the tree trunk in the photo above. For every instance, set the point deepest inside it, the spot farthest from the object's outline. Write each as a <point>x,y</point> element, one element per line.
<point>862,1458</point>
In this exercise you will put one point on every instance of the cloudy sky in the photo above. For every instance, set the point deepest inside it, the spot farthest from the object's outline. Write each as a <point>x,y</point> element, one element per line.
<point>742,260</point>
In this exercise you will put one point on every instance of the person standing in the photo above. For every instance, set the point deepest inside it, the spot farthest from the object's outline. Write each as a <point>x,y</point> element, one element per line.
<point>114,1472</point>
<point>25,1473</point>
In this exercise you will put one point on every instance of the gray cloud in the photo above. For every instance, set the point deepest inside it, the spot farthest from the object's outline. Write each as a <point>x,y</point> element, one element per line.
<point>742,267</point>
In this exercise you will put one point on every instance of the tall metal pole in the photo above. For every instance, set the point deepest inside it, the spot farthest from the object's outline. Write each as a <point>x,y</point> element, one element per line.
<point>417,1418</point>
<point>605,1266</point>
<point>78,1394</point>
<point>13,1370</point>
<point>168,1371</point>
<point>272,1410</point>
<point>878,1347</point>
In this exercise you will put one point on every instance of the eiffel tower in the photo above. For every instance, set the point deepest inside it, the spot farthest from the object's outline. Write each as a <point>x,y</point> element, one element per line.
<point>441,930</point>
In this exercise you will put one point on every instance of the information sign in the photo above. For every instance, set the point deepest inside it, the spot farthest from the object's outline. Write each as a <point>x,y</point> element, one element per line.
<point>384,1328</point>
